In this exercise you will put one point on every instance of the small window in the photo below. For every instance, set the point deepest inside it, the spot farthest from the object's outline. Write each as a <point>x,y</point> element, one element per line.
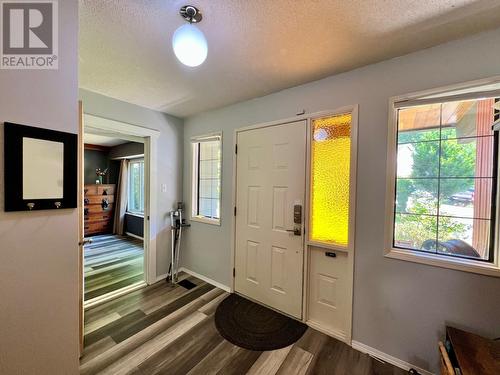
<point>443,182</point>
<point>206,179</point>
<point>331,177</point>
<point>136,187</point>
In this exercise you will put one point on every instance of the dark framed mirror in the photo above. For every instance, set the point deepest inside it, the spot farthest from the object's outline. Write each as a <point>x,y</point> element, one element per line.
<point>40,168</point>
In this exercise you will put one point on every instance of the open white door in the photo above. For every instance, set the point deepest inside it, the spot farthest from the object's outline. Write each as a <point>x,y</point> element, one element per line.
<point>270,191</point>
<point>81,240</point>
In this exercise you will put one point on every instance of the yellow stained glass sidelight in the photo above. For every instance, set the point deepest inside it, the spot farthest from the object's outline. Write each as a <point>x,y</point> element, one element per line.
<point>330,167</point>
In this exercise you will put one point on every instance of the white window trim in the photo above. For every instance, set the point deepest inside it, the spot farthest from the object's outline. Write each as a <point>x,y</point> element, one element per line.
<point>461,264</point>
<point>194,177</point>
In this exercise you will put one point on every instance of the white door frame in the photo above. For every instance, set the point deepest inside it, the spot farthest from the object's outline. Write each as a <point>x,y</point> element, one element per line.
<point>352,207</point>
<point>149,137</point>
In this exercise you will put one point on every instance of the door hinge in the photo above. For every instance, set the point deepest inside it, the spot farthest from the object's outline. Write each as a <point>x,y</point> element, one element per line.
<point>234,210</point>
<point>234,272</point>
<point>236,149</point>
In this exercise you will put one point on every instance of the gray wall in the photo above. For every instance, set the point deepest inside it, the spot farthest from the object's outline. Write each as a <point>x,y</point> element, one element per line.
<point>39,250</point>
<point>400,308</point>
<point>126,150</point>
<point>170,144</point>
<point>99,159</point>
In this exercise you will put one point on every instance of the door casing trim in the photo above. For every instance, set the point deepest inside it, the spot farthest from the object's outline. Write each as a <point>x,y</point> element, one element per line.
<point>347,338</point>
<point>149,137</point>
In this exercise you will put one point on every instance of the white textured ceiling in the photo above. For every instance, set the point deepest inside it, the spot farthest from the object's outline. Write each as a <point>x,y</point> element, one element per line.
<point>102,140</point>
<point>256,46</point>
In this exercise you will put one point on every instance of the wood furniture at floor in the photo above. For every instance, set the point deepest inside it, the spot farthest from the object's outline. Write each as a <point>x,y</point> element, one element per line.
<point>98,208</point>
<point>469,353</point>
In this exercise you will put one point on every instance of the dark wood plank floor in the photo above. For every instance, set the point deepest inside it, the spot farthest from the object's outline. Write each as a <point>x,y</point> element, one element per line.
<point>111,263</point>
<point>164,329</point>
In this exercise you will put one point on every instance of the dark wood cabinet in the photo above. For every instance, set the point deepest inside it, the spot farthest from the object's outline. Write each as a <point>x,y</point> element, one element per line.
<point>99,203</point>
<point>469,354</point>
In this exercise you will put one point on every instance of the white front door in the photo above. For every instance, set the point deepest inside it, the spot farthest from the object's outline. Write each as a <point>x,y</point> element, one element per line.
<point>270,185</point>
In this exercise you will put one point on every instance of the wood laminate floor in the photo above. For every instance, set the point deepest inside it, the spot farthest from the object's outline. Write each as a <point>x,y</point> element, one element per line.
<point>165,329</point>
<point>112,262</point>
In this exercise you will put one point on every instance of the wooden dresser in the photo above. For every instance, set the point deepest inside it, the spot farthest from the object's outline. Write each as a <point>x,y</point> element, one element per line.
<point>468,354</point>
<point>98,209</point>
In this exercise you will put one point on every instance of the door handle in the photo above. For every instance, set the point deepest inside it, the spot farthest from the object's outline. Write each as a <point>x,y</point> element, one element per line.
<point>295,231</point>
<point>85,241</point>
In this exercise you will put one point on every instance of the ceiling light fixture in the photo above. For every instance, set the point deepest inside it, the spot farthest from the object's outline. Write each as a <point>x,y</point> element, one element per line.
<point>189,42</point>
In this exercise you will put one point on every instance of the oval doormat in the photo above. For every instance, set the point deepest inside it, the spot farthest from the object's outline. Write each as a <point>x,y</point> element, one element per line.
<point>255,327</point>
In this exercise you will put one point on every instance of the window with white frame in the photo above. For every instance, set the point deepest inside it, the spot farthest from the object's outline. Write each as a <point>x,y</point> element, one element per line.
<point>443,178</point>
<point>206,179</point>
<point>135,203</point>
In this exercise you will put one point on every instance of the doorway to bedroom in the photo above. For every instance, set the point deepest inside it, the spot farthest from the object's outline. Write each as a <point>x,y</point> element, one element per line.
<point>113,215</point>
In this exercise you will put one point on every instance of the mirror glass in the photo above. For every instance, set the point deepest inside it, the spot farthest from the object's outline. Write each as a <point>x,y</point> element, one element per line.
<point>43,169</point>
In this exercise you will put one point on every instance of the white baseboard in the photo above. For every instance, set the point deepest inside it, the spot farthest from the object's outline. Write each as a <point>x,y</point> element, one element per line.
<point>329,332</point>
<point>161,277</point>
<point>206,279</point>
<point>387,358</point>
<point>134,236</point>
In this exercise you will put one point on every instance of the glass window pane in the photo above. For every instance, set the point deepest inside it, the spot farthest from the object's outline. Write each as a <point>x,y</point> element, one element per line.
<point>421,123</point>
<point>208,179</point>
<point>415,232</point>
<point>205,208</point>
<point>331,155</point>
<point>205,169</point>
<point>136,186</point>
<point>466,197</point>
<point>215,189</point>
<point>467,157</point>
<point>469,118</point>
<point>454,143</point>
<point>464,237</point>
<point>215,208</point>
<point>205,189</point>
<point>418,159</point>
<point>418,196</point>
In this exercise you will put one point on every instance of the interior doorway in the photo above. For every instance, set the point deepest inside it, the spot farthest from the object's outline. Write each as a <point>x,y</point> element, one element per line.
<point>113,201</point>
<point>132,133</point>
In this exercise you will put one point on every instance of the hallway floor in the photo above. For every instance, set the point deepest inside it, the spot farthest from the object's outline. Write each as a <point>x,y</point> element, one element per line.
<point>165,329</point>
<point>112,262</point>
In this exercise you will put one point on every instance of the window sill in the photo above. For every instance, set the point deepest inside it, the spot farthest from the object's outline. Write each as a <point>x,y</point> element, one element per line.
<point>134,214</point>
<point>460,264</point>
<point>205,220</point>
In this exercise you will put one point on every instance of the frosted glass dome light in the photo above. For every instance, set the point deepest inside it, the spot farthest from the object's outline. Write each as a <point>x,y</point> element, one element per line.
<point>190,45</point>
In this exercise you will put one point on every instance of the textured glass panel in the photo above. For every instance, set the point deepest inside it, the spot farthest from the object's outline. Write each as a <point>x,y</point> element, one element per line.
<point>331,154</point>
